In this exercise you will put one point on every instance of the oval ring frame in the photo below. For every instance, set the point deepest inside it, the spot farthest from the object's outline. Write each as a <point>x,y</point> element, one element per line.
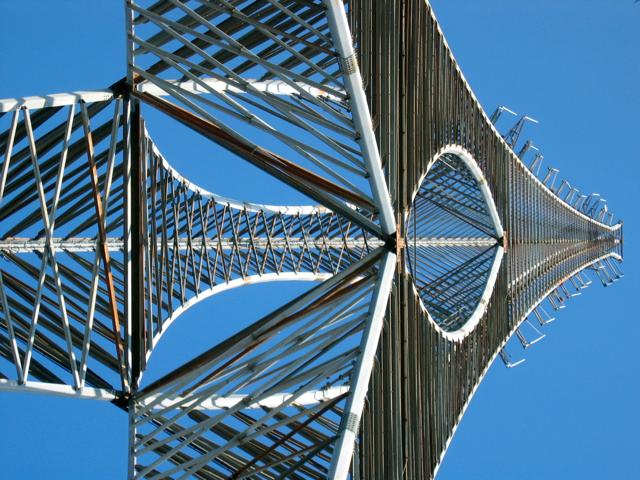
<point>473,320</point>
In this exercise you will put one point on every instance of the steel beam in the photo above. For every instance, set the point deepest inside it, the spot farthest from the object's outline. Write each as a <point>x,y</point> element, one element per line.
<point>57,389</point>
<point>54,100</point>
<point>343,42</point>
<point>362,372</point>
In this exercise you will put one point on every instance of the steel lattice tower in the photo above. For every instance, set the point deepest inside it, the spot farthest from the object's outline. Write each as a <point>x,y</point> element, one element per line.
<point>432,242</point>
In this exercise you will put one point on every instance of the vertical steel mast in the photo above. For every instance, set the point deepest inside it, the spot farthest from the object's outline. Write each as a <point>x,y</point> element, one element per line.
<point>430,245</point>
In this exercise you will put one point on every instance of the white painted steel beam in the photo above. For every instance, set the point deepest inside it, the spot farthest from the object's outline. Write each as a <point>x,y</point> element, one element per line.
<point>54,100</point>
<point>341,34</point>
<point>312,397</point>
<point>484,242</point>
<point>274,87</point>
<point>57,390</point>
<point>238,282</point>
<point>345,444</point>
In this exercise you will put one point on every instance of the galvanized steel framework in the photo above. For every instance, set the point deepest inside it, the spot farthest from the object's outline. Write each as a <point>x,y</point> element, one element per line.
<point>434,242</point>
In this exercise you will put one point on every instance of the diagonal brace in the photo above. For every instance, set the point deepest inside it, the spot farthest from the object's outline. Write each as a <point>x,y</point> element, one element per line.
<point>104,250</point>
<point>339,25</point>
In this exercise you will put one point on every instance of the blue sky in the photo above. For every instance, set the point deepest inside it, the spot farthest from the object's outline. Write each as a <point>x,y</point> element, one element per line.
<point>570,411</point>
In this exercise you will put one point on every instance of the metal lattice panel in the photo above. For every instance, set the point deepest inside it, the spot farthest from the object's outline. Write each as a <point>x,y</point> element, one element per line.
<point>270,68</point>
<point>205,243</point>
<point>61,279</point>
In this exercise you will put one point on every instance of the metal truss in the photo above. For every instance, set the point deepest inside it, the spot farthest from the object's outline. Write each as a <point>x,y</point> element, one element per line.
<point>432,245</point>
<point>196,242</point>
<point>235,43</point>
<point>61,280</point>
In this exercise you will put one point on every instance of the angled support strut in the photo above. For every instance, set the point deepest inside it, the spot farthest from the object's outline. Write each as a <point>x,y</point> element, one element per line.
<point>339,25</point>
<point>362,372</point>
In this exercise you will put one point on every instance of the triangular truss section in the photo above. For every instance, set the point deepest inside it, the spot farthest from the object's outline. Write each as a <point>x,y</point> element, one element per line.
<point>274,82</point>
<point>197,243</point>
<point>280,399</point>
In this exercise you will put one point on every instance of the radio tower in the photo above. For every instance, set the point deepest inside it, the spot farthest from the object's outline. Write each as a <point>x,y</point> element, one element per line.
<point>433,240</point>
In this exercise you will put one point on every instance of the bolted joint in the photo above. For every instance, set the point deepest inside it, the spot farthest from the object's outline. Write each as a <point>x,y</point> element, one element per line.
<point>502,241</point>
<point>352,422</point>
<point>395,243</point>
<point>120,88</point>
<point>349,65</point>
<point>122,400</point>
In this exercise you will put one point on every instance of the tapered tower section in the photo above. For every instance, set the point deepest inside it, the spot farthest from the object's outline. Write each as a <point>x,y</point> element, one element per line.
<point>488,246</point>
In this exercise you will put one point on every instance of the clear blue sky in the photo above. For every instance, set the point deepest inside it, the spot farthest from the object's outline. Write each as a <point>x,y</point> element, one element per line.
<point>571,411</point>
